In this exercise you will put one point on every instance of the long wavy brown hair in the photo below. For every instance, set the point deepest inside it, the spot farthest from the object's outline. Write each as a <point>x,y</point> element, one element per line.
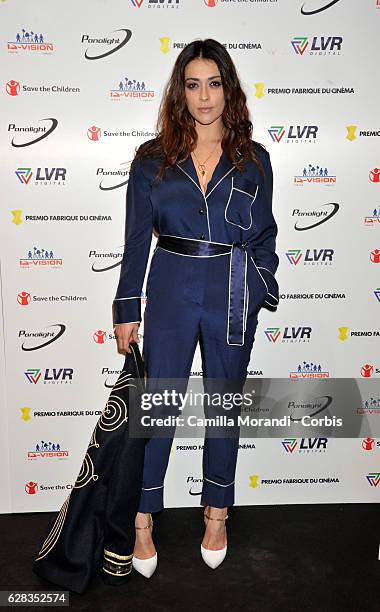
<point>177,135</point>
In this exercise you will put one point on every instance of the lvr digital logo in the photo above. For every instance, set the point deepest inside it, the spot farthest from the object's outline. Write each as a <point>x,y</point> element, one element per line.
<point>319,44</point>
<point>43,175</point>
<point>306,444</point>
<point>293,132</point>
<point>290,334</point>
<point>50,375</point>
<point>312,256</point>
<point>373,478</point>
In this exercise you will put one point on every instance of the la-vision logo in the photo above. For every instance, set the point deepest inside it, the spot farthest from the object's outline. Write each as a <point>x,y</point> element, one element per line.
<point>310,11</point>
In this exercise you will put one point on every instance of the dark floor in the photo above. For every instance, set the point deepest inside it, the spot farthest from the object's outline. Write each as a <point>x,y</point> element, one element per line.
<point>288,558</point>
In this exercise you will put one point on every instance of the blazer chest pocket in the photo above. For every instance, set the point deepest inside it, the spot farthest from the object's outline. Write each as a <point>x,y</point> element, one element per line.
<point>239,205</point>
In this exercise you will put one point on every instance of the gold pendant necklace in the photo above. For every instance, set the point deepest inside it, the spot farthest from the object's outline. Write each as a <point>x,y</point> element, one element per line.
<point>202,166</point>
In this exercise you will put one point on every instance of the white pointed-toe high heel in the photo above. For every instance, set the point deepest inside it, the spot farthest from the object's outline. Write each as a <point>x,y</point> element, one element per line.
<point>146,567</point>
<point>213,558</point>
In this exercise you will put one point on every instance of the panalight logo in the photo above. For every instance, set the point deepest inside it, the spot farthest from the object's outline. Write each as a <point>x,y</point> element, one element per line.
<point>321,215</point>
<point>13,88</point>
<point>45,131</point>
<point>108,42</point>
<point>308,7</point>
<point>47,336</point>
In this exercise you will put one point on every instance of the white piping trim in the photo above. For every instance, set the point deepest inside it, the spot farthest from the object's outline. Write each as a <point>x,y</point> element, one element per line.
<point>137,297</point>
<point>273,296</point>
<point>217,483</point>
<point>190,177</point>
<point>205,201</point>
<point>220,180</point>
<point>273,305</point>
<point>126,322</point>
<point>262,268</point>
<point>152,488</point>
<point>246,311</point>
<point>262,278</point>
<point>250,206</point>
<point>229,296</point>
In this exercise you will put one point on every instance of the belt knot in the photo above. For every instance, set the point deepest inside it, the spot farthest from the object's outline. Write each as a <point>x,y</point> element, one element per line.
<point>242,245</point>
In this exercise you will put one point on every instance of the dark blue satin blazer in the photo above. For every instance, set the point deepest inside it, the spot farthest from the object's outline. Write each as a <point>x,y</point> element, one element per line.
<point>237,206</point>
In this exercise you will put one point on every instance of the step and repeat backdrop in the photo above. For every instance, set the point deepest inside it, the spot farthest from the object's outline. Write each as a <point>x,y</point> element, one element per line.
<point>81,86</point>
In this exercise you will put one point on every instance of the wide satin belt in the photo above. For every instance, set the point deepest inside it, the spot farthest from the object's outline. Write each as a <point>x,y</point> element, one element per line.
<point>237,300</point>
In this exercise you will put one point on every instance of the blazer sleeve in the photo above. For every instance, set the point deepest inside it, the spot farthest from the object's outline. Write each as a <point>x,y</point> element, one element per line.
<point>126,307</point>
<point>263,241</point>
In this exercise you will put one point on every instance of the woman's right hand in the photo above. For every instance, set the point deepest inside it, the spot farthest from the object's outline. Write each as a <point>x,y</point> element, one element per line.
<point>126,333</point>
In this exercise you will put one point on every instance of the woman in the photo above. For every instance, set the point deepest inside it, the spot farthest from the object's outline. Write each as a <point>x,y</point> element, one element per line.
<point>206,189</point>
